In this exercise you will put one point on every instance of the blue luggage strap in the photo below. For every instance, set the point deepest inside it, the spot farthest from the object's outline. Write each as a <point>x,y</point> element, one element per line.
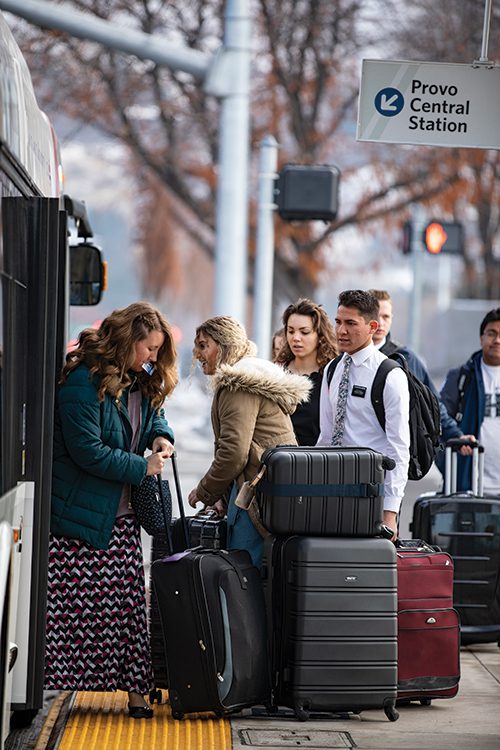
<point>321,490</point>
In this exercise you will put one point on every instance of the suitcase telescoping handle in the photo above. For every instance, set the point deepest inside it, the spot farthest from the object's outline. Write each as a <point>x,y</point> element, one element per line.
<point>450,466</point>
<point>180,504</point>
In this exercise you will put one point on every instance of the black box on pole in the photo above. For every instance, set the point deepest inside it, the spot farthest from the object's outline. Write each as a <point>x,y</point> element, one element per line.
<point>307,192</point>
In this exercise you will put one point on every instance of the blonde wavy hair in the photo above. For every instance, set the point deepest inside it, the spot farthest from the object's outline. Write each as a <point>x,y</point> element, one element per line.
<point>109,352</point>
<point>230,337</point>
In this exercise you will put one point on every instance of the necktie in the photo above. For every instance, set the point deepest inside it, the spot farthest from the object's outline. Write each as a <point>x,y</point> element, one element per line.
<point>338,427</point>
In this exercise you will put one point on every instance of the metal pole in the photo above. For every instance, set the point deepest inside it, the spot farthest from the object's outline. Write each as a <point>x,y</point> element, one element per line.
<point>444,282</point>
<point>416,292</point>
<point>85,26</point>
<point>227,76</point>
<point>232,208</point>
<point>486,32</point>
<point>264,260</point>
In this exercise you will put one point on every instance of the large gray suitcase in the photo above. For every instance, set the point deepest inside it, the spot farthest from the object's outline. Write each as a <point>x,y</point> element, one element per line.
<point>322,491</point>
<point>331,607</point>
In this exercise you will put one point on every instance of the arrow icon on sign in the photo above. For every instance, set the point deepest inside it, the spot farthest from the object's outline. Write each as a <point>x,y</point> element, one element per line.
<point>389,102</point>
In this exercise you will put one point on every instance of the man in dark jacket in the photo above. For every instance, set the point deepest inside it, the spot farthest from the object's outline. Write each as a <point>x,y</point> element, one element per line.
<point>471,394</point>
<point>383,342</point>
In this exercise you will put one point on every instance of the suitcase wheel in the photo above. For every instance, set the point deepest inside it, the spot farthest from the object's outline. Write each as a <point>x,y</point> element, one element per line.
<point>178,715</point>
<point>301,713</point>
<point>425,701</point>
<point>155,695</point>
<point>391,713</point>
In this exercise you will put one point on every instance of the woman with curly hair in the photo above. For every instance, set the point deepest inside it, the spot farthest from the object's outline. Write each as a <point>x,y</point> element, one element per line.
<point>309,345</point>
<point>252,402</point>
<point>108,411</point>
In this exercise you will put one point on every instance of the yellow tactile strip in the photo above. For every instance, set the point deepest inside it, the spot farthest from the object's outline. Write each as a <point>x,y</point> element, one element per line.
<point>99,721</point>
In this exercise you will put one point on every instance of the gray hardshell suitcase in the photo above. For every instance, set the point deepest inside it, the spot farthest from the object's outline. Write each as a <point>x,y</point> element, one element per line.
<point>322,491</point>
<point>331,607</point>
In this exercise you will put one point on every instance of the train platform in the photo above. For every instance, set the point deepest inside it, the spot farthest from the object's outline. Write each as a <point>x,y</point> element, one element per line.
<point>99,721</point>
<point>91,721</point>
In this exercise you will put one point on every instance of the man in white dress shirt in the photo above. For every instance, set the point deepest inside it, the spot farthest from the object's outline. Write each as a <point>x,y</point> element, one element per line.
<point>355,323</point>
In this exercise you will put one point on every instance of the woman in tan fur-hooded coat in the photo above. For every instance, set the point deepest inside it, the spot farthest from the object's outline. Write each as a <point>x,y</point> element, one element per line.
<point>251,408</point>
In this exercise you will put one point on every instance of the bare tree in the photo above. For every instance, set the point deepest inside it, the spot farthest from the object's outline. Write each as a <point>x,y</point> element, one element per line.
<point>305,88</point>
<point>453,33</point>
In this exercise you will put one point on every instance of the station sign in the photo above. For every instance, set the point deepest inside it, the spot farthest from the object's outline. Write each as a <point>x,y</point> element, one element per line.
<point>433,104</point>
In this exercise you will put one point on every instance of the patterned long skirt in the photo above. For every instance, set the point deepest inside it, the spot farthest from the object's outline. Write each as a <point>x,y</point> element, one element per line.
<point>97,636</point>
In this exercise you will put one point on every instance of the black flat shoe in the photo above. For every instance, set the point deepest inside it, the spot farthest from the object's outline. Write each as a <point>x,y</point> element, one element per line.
<point>140,712</point>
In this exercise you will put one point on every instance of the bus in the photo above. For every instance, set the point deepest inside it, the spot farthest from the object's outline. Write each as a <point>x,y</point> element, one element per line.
<point>42,270</point>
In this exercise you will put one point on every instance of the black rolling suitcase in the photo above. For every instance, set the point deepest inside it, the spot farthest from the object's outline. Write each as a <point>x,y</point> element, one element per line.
<point>205,529</point>
<point>322,491</point>
<point>213,626</point>
<point>332,611</point>
<point>161,544</point>
<point>467,526</point>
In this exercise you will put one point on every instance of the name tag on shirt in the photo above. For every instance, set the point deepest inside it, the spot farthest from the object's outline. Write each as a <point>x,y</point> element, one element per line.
<point>358,390</point>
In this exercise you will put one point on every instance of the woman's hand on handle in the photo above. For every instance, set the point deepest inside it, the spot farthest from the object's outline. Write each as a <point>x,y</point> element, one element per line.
<point>163,446</point>
<point>156,462</point>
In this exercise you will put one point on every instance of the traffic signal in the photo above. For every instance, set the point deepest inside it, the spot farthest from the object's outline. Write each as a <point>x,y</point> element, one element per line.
<point>444,237</point>
<point>307,192</point>
<point>407,238</point>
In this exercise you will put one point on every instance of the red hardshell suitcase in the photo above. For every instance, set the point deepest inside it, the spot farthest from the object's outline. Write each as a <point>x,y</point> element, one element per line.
<point>428,626</point>
<point>322,491</point>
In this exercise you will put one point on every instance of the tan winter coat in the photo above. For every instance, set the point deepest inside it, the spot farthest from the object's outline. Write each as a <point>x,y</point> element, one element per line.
<point>253,400</point>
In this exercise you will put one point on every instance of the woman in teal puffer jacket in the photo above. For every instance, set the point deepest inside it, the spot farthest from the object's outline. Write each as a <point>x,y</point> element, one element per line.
<point>108,412</point>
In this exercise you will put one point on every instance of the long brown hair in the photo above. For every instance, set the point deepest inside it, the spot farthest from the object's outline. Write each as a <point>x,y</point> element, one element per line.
<point>109,352</point>
<point>327,343</point>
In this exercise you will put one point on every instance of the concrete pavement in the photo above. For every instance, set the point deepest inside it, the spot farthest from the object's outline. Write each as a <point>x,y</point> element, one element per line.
<point>470,721</point>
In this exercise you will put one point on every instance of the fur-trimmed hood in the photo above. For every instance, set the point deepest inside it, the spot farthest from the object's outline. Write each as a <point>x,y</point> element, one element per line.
<point>255,375</point>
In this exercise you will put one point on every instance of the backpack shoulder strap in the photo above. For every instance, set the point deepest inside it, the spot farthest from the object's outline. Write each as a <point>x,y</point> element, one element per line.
<point>390,347</point>
<point>464,378</point>
<point>378,384</point>
<point>331,367</point>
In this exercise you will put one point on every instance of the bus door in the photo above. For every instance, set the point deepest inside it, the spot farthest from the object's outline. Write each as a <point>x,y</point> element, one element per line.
<point>33,310</point>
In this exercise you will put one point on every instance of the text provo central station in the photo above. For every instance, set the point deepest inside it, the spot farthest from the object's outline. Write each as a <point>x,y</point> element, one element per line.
<point>448,105</point>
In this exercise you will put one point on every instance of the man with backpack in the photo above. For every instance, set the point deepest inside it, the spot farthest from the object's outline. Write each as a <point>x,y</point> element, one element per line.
<point>471,394</point>
<point>384,343</point>
<point>347,415</point>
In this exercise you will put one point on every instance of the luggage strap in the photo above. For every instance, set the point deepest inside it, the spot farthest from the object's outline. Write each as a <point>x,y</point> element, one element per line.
<point>321,490</point>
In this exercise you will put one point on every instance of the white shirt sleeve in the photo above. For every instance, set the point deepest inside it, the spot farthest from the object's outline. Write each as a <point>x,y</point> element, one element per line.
<point>397,408</point>
<point>325,412</point>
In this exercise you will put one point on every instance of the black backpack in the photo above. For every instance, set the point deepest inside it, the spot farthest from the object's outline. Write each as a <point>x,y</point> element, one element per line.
<point>424,419</point>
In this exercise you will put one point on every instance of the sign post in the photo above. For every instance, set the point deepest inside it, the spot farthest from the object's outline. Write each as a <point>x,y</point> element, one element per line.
<point>433,104</point>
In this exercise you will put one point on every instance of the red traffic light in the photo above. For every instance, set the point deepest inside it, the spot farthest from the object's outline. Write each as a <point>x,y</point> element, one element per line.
<point>443,237</point>
<point>435,237</point>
